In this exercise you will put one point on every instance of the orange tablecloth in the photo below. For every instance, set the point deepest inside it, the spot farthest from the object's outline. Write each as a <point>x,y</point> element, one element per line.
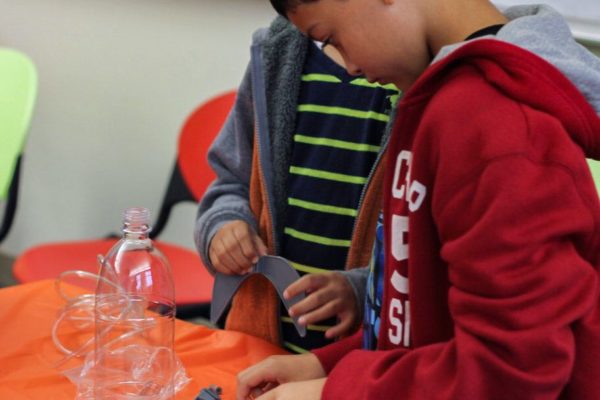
<point>28,354</point>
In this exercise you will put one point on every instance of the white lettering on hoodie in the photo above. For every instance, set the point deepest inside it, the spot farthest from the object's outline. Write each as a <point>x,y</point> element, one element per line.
<point>413,194</point>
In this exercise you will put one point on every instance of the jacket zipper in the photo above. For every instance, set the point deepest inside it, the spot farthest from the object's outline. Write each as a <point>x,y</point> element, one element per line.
<point>261,123</point>
<point>384,145</point>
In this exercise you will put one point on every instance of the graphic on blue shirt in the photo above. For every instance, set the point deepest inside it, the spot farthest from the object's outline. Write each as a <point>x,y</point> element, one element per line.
<point>374,295</point>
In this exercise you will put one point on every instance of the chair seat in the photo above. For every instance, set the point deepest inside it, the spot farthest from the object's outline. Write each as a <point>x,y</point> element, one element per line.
<point>193,283</point>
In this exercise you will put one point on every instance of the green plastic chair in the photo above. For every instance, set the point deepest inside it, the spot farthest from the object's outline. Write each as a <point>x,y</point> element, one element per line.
<point>595,168</point>
<point>18,90</point>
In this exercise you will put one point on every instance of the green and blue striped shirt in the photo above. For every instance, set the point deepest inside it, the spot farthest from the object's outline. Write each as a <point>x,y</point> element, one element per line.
<point>339,128</point>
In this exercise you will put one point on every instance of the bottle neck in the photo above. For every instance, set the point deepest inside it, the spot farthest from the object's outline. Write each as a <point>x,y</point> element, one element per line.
<point>136,223</point>
<point>136,231</point>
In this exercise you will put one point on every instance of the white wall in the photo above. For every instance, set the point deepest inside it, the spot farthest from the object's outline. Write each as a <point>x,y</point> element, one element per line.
<point>116,80</point>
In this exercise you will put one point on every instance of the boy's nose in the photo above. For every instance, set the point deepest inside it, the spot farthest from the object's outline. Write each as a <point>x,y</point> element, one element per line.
<point>353,70</point>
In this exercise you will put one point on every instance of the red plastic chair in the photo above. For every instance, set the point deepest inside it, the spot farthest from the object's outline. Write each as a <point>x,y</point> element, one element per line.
<point>190,178</point>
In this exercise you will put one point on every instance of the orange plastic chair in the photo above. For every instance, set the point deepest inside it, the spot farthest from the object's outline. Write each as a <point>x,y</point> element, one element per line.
<point>190,177</point>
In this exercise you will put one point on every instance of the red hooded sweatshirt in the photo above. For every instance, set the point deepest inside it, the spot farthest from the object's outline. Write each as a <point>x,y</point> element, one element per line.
<point>492,240</point>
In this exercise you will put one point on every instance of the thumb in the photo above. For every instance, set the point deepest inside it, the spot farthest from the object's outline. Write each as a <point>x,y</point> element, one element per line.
<point>261,248</point>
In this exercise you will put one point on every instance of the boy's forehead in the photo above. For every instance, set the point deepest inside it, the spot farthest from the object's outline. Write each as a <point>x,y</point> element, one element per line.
<point>310,15</point>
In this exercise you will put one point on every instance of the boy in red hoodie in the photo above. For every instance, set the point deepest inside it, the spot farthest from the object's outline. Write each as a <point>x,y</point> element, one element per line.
<point>491,219</point>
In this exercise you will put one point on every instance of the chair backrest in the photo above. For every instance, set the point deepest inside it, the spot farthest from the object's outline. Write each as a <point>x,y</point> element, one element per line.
<point>191,173</point>
<point>18,90</point>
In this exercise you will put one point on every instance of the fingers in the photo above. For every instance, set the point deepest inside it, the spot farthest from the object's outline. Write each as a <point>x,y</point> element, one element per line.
<point>328,295</point>
<point>249,384</point>
<point>275,371</point>
<point>235,248</point>
<point>259,378</point>
<point>226,260</point>
<point>243,236</point>
<point>342,328</point>
<point>325,311</point>
<point>261,248</point>
<point>346,313</point>
<point>307,283</point>
<point>314,301</point>
<point>256,392</point>
<point>305,390</point>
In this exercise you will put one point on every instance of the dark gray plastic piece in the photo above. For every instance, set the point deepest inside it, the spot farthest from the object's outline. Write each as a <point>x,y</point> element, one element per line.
<point>277,269</point>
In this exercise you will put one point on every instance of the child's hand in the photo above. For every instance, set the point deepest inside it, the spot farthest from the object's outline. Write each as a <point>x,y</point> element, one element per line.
<point>277,370</point>
<point>235,248</point>
<point>303,390</point>
<point>328,295</point>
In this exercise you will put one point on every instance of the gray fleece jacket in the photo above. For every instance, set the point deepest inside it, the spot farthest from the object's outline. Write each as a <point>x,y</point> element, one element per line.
<point>267,99</point>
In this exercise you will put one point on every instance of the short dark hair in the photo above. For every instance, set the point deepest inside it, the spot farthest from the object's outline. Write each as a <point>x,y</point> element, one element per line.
<point>283,7</point>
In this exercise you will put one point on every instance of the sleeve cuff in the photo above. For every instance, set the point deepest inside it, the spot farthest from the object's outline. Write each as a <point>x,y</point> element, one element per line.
<point>329,355</point>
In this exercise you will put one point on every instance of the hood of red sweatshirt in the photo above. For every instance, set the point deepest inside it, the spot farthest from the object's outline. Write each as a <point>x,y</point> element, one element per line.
<point>526,78</point>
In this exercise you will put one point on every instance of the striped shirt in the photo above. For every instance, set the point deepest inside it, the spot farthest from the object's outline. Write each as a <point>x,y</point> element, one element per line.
<point>339,128</point>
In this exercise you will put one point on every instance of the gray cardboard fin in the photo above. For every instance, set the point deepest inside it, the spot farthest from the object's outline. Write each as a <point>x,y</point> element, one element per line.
<point>279,272</point>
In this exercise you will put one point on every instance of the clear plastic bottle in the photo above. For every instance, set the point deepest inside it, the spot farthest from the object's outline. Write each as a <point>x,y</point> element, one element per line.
<point>134,317</point>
